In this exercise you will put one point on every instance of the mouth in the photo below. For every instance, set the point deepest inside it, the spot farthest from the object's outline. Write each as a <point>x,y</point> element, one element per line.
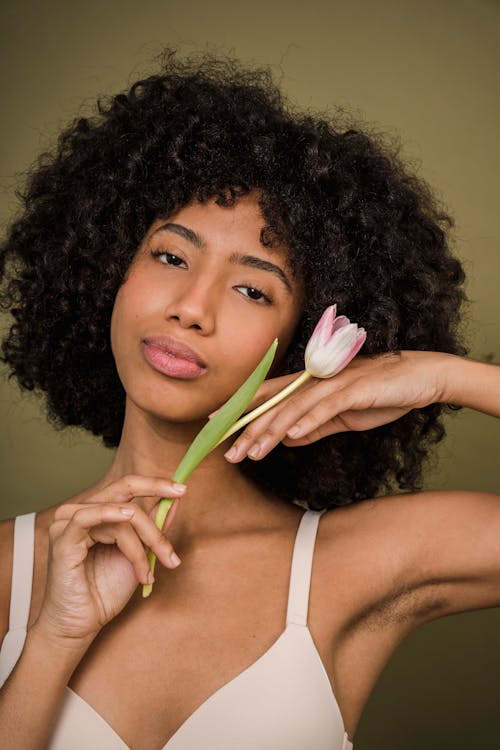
<point>175,349</point>
<point>183,363</point>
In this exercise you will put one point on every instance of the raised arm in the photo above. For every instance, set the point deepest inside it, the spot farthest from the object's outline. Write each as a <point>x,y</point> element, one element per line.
<point>369,392</point>
<point>446,543</point>
<point>473,384</point>
<point>456,549</point>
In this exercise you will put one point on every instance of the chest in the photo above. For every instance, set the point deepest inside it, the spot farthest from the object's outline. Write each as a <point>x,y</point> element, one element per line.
<point>162,658</point>
<point>166,667</point>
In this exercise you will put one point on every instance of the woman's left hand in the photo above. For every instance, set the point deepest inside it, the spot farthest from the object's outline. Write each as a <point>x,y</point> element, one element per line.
<point>369,392</point>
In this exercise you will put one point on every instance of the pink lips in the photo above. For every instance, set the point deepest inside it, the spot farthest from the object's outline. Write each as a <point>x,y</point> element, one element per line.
<point>178,360</point>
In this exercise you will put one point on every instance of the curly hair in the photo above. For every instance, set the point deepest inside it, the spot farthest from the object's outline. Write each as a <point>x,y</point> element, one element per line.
<point>361,228</point>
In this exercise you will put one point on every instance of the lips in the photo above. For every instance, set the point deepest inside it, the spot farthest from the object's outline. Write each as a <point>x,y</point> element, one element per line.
<point>176,348</point>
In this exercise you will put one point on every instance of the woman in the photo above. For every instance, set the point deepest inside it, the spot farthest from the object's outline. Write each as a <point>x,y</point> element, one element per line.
<point>162,248</point>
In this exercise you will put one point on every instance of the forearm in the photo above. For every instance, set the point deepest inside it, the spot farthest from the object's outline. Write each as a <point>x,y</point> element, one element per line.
<point>472,384</point>
<point>31,696</point>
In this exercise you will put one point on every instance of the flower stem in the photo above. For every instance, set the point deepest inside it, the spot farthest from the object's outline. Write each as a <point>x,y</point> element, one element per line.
<point>267,405</point>
<point>161,514</point>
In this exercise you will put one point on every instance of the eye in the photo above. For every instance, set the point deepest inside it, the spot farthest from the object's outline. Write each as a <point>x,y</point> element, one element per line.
<point>159,253</point>
<point>258,293</point>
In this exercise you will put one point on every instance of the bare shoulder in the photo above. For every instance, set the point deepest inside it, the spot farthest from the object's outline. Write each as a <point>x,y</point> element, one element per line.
<point>414,557</point>
<point>379,545</point>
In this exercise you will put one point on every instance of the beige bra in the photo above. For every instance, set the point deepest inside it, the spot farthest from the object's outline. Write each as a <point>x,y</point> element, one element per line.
<point>283,701</point>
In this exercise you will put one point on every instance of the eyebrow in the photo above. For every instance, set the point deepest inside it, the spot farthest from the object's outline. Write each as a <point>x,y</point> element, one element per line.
<point>243,260</point>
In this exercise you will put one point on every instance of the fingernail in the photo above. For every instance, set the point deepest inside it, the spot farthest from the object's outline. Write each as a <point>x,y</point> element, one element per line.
<point>175,560</point>
<point>127,512</point>
<point>179,487</point>
<point>231,453</point>
<point>254,450</point>
<point>151,578</point>
<point>293,431</point>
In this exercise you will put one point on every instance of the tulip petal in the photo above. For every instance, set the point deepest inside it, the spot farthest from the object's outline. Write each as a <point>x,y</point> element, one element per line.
<point>324,327</point>
<point>344,343</point>
<point>351,352</point>
<point>340,322</point>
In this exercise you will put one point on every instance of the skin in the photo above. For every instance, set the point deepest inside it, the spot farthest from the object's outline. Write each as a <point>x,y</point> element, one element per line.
<point>399,561</point>
<point>204,301</point>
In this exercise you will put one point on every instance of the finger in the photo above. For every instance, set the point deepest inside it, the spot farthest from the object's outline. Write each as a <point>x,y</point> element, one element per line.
<point>348,421</point>
<point>129,544</point>
<point>148,534</point>
<point>69,531</point>
<point>304,410</point>
<point>263,434</point>
<point>81,529</point>
<point>330,427</point>
<point>134,485</point>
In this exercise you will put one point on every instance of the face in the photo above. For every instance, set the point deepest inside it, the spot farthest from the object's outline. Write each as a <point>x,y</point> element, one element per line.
<point>202,278</point>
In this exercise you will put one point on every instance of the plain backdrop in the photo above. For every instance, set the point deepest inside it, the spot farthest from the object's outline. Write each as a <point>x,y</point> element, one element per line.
<point>426,72</point>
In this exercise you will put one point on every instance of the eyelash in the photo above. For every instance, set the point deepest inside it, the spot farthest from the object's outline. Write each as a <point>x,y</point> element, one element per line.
<point>267,299</point>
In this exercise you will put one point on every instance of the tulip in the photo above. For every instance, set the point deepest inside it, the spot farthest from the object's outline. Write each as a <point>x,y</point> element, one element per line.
<point>334,342</point>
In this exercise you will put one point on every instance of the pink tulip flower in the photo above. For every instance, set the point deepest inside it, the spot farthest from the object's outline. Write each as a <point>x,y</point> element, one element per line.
<point>334,342</point>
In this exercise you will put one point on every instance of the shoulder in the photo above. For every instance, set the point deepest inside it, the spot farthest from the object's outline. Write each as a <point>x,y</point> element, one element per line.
<point>379,546</point>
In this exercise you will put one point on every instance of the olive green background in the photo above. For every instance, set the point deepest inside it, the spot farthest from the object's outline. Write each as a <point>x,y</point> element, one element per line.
<point>424,71</point>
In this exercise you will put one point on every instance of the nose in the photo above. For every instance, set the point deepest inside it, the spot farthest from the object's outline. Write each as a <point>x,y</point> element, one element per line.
<point>193,305</point>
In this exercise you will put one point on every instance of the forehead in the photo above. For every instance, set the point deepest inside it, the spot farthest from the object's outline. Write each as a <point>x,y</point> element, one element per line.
<point>225,226</point>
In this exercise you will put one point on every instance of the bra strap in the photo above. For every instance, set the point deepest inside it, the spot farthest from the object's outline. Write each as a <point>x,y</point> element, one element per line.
<point>300,574</point>
<point>22,570</point>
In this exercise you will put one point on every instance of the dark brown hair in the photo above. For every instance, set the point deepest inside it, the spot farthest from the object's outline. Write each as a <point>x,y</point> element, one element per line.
<point>362,230</point>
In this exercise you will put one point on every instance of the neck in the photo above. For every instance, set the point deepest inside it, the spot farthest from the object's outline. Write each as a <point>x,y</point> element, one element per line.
<point>218,496</point>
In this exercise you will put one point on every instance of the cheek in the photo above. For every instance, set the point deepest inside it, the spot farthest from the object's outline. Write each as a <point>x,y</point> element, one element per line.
<point>245,349</point>
<point>130,303</point>
<point>285,339</point>
<point>134,299</point>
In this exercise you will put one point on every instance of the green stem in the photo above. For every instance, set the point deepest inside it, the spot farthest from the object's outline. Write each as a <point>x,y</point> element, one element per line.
<point>161,514</point>
<point>266,406</point>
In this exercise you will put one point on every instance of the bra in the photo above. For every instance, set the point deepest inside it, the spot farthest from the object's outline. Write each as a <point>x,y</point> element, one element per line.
<point>283,701</point>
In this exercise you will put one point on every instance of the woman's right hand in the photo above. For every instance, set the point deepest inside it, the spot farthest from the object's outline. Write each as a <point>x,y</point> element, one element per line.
<point>98,556</point>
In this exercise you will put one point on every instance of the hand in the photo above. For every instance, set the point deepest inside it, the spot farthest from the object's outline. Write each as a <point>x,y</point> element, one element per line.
<point>369,392</point>
<point>97,556</point>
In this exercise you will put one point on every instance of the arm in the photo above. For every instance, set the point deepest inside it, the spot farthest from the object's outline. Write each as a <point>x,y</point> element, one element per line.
<point>473,384</point>
<point>450,540</point>
<point>460,541</point>
<point>31,696</point>
<point>82,594</point>
<point>445,546</point>
<point>369,392</point>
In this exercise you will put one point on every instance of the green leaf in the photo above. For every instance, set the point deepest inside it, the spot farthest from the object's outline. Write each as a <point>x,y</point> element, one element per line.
<point>216,427</point>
